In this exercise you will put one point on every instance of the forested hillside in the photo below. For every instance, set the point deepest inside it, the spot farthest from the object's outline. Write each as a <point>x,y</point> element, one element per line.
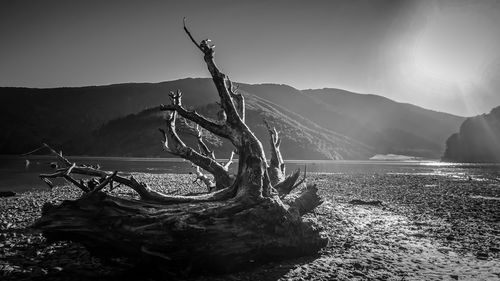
<point>477,141</point>
<point>322,123</point>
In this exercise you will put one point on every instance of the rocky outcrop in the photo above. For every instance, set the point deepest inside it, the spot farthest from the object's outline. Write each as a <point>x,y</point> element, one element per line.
<point>477,141</point>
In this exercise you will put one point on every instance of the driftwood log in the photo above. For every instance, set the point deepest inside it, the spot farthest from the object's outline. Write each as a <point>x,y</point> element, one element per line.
<point>247,218</point>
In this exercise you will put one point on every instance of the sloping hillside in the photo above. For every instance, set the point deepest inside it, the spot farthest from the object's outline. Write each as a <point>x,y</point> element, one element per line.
<point>137,135</point>
<point>389,117</point>
<point>337,124</point>
<point>29,117</point>
<point>381,123</point>
<point>477,141</point>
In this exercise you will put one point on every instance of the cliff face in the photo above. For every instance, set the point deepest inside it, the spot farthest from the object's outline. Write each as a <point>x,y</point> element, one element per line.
<point>477,141</point>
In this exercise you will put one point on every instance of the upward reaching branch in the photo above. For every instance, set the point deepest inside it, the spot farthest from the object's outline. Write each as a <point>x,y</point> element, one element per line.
<point>202,145</point>
<point>218,129</point>
<point>252,177</point>
<point>174,145</point>
<point>222,83</point>
<point>239,102</point>
<point>203,178</point>
<point>276,167</point>
<point>229,161</point>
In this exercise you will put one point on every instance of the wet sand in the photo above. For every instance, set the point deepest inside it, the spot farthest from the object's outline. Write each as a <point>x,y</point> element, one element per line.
<point>414,227</point>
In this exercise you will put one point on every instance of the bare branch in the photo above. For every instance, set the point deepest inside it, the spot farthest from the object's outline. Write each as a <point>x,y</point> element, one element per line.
<point>302,180</point>
<point>240,105</point>
<point>276,167</point>
<point>218,129</point>
<point>202,145</point>
<point>176,146</point>
<point>229,161</point>
<point>176,105</point>
<point>63,173</point>
<point>59,156</point>
<point>76,183</point>
<point>142,189</point>
<point>48,182</point>
<point>203,178</point>
<point>104,182</point>
<point>112,226</point>
<point>221,81</point>
<point>306,201</point>
<point>198,134</point>
<point>34,150</point>
<point>205,159</point>
<point>286,186</point>
<point>189,34</point>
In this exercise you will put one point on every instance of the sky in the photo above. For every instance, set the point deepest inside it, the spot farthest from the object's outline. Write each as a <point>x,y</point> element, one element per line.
<point>442,55</point>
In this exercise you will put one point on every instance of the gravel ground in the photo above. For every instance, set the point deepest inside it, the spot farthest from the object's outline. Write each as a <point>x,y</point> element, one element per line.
<point>416,227</point>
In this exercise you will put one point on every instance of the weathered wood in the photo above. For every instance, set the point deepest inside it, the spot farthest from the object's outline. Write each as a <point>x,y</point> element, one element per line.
<point>203,178</point>
<point>243,223</point>
<point>174,145</point>
<point>306,201</point>
<point>276,167</point>
<point>212,236</point>
<point>288,184</point>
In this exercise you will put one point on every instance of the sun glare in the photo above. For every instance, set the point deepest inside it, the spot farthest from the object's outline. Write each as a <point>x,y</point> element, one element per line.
<point>453,48</point>
<point>435,67</point>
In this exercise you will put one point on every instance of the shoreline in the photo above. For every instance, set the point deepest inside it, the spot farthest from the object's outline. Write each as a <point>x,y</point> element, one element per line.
<point>426,227</point>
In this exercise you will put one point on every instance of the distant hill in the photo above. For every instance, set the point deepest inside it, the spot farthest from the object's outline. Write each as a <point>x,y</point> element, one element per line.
<point>477,141</point>
<point>321,124</point>
<point>29,117</point>
<point>383,124</point>
<point>137,135</point>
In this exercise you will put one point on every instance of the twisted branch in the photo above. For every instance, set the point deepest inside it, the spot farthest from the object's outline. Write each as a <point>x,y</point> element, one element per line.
<point>306,201</point>
<point>203,178</point>
<point>144,191</point>
<point>234,108</point>
<point>176,105</point>
<point>276,167</point>
<point>173,144</point>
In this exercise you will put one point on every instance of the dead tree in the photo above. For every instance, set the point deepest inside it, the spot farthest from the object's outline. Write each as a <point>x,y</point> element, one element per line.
<point>204,159</point>
<point>220,171</point>
<point>276,167</point>
<point>244,222</point>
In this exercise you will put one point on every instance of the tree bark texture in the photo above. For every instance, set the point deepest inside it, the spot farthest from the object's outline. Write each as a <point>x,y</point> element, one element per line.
<point>252,217</point>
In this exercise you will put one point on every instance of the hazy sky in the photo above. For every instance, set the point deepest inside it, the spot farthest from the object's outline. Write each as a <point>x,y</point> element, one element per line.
<point>442,55</point>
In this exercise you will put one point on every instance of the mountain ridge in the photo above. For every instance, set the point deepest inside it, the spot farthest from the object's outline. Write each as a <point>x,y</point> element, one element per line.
<point>65,114</point>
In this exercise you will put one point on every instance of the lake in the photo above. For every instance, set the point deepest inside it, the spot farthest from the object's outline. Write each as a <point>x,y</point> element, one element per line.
<point>21,173</point>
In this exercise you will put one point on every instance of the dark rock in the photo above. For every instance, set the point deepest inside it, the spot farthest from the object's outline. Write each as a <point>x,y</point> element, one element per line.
<point>363,202</point>
<point>7,193</point>
<point>482,255</point>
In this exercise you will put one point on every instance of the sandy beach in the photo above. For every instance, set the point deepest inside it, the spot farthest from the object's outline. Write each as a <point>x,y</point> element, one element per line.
<point>381,227</point>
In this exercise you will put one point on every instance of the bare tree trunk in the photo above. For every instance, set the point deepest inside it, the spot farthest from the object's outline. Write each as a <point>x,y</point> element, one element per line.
<point>276,167</point>
<point>244,220</point>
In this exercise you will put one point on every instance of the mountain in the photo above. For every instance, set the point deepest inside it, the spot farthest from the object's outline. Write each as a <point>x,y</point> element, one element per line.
<point>381,123</point>
<point>477,141</point>
<point>137,135</point>
<point>321,124</point>
<point>29,117</point>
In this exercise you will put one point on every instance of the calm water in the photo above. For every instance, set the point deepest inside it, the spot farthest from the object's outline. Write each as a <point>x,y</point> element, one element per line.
<point>21,173</point>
